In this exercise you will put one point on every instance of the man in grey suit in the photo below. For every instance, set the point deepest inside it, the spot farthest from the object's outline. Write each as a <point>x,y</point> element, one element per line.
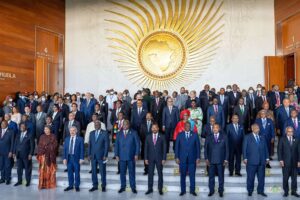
<point>40,118</point>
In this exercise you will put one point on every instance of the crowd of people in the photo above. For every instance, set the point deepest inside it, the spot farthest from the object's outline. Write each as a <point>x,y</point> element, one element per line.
<point>231,126</point>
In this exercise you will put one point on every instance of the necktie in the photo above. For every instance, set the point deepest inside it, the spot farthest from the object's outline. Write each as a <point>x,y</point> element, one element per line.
<point>287,111</point>
<point>157,101</point>
<point>125,133</point>
<point>187,136</point>
<point>97,135</point>
<point>264,123</point>
<point>295,124</point>
<point>71,146</point>
<point>236,128</point>
<point>216,108</point>
<point>119,125</point>
<point>216,138</point>
<point>148,126</point>
<point>242,109</point>
<point>277,99</point>
<point>39,115</point>
<point>170,109</point>
<point>139,111</point>
<point>154,139</point>
<point>22,137</point>
<point>291,141</point>
<point>70,124</point>
<point>257,139</point>
<point>245,101</point>
<point>222,99</point>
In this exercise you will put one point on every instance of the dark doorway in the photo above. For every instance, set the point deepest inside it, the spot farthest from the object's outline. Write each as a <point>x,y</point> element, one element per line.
<point>289,68</point>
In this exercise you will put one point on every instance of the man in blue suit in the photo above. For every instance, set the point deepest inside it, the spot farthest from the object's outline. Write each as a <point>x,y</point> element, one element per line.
<point>138,116</point>
<point>87,107</point>
<point>23,152</point>
<point>127,149</point>
<point>235,134</point>
<point>223,100</point>
<point>282,114</point>
<point>216,153</point>
<point>187,155</point>
<point>170,119</point>
<point>11,124</point>
<point>256,156</point>
<point>98,152</point>
<point>294,121</point>
<point>266,127</point>
<point>6,152</point>
<point>73,158</point>
<point>216,110</point>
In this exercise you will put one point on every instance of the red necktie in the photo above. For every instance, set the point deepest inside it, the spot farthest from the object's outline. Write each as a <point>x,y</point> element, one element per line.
<point>295,124</point>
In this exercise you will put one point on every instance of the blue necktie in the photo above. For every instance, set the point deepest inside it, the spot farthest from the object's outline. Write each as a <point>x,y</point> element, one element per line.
<point>97,135</point>
<point>71,146</point>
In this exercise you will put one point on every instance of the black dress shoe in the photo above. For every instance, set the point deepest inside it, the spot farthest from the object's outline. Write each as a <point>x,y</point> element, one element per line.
<point>66,170</point>
<point>118,172</point>
<point>18,183</point>
<point>134,191</point>
<point>230,174</point>
<point>121,190</point>
<point>210,194</point>
<point>149,192</point>
<point>250,194</point>
<point>263,194</point>
<point>295,194</point>
<point>145,173</point>
<point>27,184</point>
<point>268,166</point>
<point>285,194</point>
<point>103,189</point>
<point>68,189</point>
<point>77,189</point>
<point>90,171</point>
<point>193,193</point>
<point>8,182</point>
<point>160,192</point>
<point>221,194</point>
<point>271,158</point>
<point>238,174</point>
<point>2,181</point>
<point>93,189</point>
<point>182,193</point>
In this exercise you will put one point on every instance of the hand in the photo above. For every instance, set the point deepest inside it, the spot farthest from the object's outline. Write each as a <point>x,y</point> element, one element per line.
<point>65,162</point>
<point>245,162</point>
<point>29,157</point>
<point>163,129</point>
<point>177,161</point>
<point>207,162</point>
<point>146,162</point>
<point>272,141</point>
<point>104,158</point>
<point>225,163</point>
<point>198,161</point>
<point>298,164</point>
<point>10,154</point>
<point>282,163</point>
<point>163,162</point>
<point>117,158</point>
<point>136,158</point>
<point>81,161</point>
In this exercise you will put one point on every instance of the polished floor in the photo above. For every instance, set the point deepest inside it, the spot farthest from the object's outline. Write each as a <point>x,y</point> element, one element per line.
<point>32,193</point>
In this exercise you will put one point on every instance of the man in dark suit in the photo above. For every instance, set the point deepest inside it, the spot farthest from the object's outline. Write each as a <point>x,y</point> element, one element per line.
<point>88,107</point>
<point>104,107</point>
<point>276,97</point>
<point>294,121</point>
<point>68,124</point>
<point>289,158</point>
<point>192,97</point>
<point>216,153</point>
<point>23,152</point>
<point>251,99</point>
<point>216,110</point>
<point>224,102</point>
<point>234,97</point>
<point>155,156</point>
<point>206,97</point>
<point>256,156</point>
<point>208,128</point>
<point>79,116</point>
<point>40,119</point>
<point>32,103</point>
<point>101,114</point>
<point>57,121</point>
<point>157,107</point>
<point>21,102</point>
<point>244,114</point>
<point>63,108</point>
<point>138,116</point>
<point>73,157</point>
<point>6,152</point>
<point>116,111</point>
<point>260,100</point>
<point>11,124</point>
<point>98,152</point>
<point>127,150</point>
<point>235,134</point>
<point>170,119</point>
<point>145,130</point>
<point>187,156</point>
<point>282,114</point>
<point>266,127</point>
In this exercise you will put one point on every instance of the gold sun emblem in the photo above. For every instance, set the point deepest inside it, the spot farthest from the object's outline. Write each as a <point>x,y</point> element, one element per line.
<point>162,44</point>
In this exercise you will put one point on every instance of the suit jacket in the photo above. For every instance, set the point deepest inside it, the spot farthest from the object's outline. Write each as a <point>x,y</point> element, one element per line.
<point>216,152</point>
<point>233,101</point>
<point>205,100</point>
<point>244,118</point>
<point>98,148</point>
<point>138,119</point>
<point>79,116</point>
<point>7,142</point>
<point>273,100</point>
<point>189,101</point>
<point>127,147</point>
<point>157,152</point>
<point>220,118</point>
<point>282,117</point>
<point>64,109</point>
<point>24,148</point>
<point>187,150</point>
<point>157,110</point>
<point>259,103</point>
<point>268,131</point>
<point>114,117</point>
<point>13,126</point>
<point>40,123</point>
<point>225,105</point>
<point>88,109</point>
<point>235,139</point>
<point>104,108</point>
<point>255,154</point>
<point>21,103</point>
<point>290,122</point>
<point>144,132</point>
<point>170,120</point>
<point>32,105</point>
<point>78,149</point>
<point>290,155</point>
<point>206,130</point>
<point>57,122</point>
<point>66,132</point>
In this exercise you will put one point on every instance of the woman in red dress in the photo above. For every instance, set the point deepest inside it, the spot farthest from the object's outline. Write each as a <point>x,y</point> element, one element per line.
<point>184,117</point>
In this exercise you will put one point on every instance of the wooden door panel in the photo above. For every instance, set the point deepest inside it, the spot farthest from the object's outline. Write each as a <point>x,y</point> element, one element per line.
<point>274,71</point>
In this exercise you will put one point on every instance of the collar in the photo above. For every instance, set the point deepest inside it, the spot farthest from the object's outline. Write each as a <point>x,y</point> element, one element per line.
<point>4,130</point>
